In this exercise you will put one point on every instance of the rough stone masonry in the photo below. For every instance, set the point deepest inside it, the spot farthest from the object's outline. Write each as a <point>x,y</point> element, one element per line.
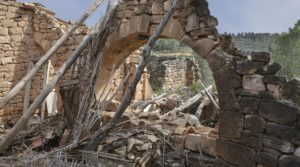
<point>260,117</point>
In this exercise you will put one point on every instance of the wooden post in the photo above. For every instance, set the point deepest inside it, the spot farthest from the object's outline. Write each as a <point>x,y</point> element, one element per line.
<point>14,91</point>
<point>45,82</point>
<point>27,90</point>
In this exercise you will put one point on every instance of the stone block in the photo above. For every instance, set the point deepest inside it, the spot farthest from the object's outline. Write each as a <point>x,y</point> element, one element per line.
<point>272,69</point>
<point>290,91</point>
<point>3,31</point>
<point>266,159</point>
<point>127,14</point>
<point>3,8</point>
<point>231,124</point>
<point>288,161</point>
<point>278,112</point>
<point>203,46</point>
<point>157,7</point>
<point>38,37</point>
<point>156,19</point>
<point>15,31</point>
<point>173,30</point>
<point>250,140</point>
<point>254,83</point>
<point>297,152</point>
<point>143,23</point>
<point>277,80</point>
<point>142,9</point>
<point>6,60</point>
<point>12,9</point>
<point>201,142</point>
<point>192,23</point>
<point>228,101</point>
<point>227,80</point>
<point>254,124</point>
<point>203,32</point>
<point>278,144</point>
<point>235,153</point>
<point>248,67</point>
<point>249,105</point>
<point>167,5</point>
<point>260,56</point>
<point>127,28</point>
<point>8,23</point>
<point>284,132</point>
<point>4,39</point>
<point>16,38</point>
<point>208,21</point>
<point>178,140</point>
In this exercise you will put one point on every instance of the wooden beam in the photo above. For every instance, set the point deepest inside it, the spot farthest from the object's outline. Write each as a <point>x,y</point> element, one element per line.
<point>45,82</point>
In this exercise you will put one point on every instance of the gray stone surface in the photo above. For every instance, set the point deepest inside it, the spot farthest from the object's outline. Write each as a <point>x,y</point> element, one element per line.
<point>254,123</point>
<point>266,159</point>
<point>231,124</point>
<point>278,144</point>
<point>249,105</point>
<point>250,140</point>
<point>254,83</point>
<point>288,161</point>
<point>248,67</point>
<point>278,112</point>
<point>235,153</point>
<point>260,56</point>
<point>285,132</point>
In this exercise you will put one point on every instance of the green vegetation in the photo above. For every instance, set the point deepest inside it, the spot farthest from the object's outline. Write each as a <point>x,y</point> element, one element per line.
<point>170,45</point>
<point>254,41</point>
<point>286,51</point>
<point>285,48</point>
<point>196,87</point>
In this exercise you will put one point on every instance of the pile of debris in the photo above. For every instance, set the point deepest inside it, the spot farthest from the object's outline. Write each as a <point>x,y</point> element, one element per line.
<point>154,136</point>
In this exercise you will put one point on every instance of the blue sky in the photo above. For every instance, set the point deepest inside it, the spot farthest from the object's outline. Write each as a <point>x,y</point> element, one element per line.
<point>233,15</point>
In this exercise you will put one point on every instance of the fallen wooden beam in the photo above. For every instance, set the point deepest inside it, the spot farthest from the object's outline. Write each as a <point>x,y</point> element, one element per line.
<point>191,101</point>
<point>16,89</point>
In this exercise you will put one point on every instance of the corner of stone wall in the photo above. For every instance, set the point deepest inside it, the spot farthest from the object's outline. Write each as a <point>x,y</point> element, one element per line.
<point>259,119</point>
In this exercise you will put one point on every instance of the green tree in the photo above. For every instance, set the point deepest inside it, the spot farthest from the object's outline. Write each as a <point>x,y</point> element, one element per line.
<point>287,52</point>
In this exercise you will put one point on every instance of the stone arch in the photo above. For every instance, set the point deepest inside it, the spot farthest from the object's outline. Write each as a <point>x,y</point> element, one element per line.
<point>135,21</point>
<point>249,92</point>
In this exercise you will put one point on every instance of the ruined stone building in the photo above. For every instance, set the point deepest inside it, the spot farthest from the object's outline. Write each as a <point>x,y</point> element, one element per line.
<point>259,122</point>
<point>27,31</point>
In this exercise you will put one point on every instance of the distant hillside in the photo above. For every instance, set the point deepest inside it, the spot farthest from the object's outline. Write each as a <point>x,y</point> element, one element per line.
<point>254,41</point>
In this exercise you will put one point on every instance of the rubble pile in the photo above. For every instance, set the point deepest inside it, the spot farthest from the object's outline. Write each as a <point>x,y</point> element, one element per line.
<point>152,137</point>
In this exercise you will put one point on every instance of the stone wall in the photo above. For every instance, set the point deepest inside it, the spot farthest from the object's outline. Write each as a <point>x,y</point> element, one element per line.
<point>27,31</point>
<point>259,121</point>
<point>258,109</point>
<point>143,89</point>
<point>168,72</point>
